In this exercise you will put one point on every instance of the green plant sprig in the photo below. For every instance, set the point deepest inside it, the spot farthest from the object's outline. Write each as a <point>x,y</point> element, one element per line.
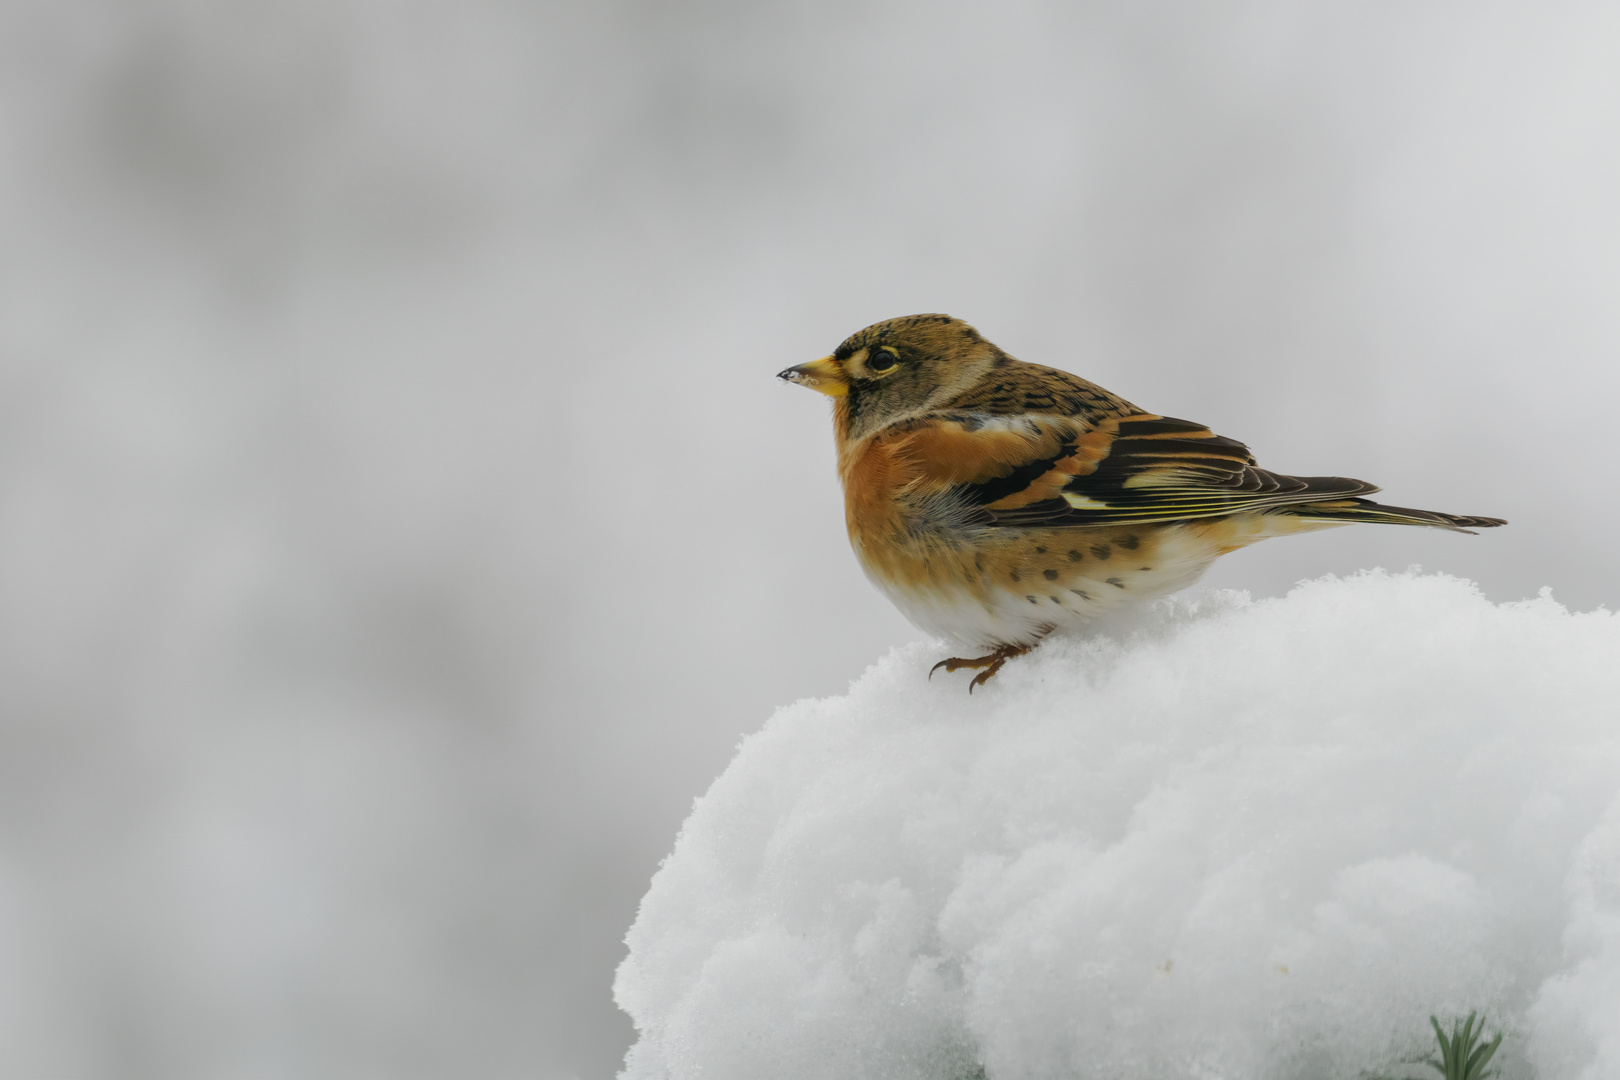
<point>1464,1056</point>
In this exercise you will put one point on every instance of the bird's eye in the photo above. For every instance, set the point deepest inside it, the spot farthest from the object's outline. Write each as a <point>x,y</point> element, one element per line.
<point>881,361</point>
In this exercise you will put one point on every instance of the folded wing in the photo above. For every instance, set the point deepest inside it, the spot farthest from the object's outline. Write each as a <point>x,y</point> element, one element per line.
<point>1050,471</point>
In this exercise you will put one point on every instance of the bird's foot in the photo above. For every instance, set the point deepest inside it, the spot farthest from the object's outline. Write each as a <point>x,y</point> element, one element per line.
<point>991,663</point>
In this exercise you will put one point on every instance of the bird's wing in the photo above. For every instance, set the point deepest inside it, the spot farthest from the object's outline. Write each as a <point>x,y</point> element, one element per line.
<point>1043,470</point>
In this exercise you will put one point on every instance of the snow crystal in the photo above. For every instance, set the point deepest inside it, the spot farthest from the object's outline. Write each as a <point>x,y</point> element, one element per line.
<point>1256,839</point>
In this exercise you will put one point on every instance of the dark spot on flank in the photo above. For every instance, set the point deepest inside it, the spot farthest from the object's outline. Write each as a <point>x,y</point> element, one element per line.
<point>1051,575</point>
<point>1081,593</point>
<point>1102,551</point>
<point>1130,543</point>
<point>1075,556</point>
<point>978,565</point>
<point>1040,551</point>
<point>1144,567</point>
<point>1054,600</point>
<point>1015,575</point>
<point>1116,583</point>
<point>1031,599</point>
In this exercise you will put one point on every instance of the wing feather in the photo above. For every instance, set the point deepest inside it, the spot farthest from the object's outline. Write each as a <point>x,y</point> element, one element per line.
<point>1135,469</point>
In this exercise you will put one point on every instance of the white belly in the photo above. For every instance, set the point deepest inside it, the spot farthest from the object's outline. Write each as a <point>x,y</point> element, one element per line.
<point>1022,608</point>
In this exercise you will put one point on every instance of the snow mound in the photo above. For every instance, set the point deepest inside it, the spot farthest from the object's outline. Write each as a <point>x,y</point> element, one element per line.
<point>1246,839</point>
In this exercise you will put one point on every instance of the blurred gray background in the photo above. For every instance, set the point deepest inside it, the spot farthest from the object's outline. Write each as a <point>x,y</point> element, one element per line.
<point>400,521</point>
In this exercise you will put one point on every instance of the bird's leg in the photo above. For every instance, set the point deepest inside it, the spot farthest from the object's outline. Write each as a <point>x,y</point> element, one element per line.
<point>991,663</point>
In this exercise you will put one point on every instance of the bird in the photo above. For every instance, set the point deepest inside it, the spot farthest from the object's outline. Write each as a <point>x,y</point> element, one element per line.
<point>995,501</point>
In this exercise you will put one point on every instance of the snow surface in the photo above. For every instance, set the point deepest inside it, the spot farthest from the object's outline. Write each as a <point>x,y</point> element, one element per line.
<point>1234,838</point>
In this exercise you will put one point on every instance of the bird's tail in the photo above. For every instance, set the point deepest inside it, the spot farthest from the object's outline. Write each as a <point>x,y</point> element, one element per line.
<point>1349,510</point>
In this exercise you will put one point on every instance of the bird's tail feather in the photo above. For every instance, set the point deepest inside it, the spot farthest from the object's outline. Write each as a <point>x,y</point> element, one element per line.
<point>1348,510</point>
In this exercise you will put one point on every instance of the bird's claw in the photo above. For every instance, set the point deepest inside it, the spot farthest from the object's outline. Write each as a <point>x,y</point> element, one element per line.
<point>991,663</point>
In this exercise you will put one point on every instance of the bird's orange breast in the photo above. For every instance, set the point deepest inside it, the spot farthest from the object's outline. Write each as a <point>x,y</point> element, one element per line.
<point>875,474</point>
<point>901,522</point>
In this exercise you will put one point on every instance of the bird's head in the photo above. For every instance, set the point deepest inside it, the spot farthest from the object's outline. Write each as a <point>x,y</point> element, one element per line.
<point>896,369</point>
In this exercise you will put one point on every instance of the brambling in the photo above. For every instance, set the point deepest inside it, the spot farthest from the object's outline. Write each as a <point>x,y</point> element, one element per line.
<point>995,501</point>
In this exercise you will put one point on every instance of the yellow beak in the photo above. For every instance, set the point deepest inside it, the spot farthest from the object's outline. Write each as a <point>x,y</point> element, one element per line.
<point>825,375</point>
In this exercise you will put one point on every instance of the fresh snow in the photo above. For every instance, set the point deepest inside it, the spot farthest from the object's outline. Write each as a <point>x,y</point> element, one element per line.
<point>1231,839</point>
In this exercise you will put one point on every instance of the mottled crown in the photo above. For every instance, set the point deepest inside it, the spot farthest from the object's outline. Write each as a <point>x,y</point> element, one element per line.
<point>926,337</point>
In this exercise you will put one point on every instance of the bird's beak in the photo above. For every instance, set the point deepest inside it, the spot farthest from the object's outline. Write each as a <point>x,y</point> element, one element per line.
<point>826,375</point>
